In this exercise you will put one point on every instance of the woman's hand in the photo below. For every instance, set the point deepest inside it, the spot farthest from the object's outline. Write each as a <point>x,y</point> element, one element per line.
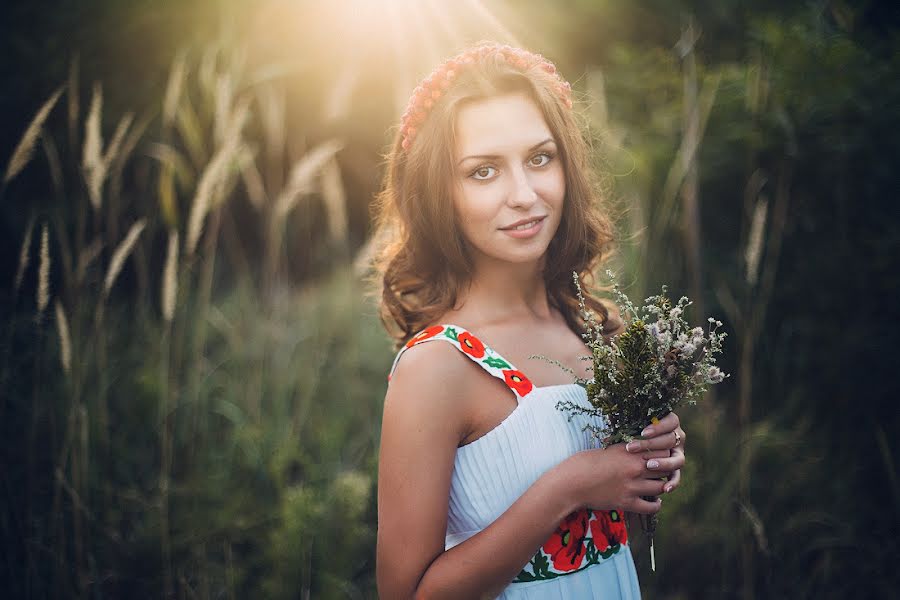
<point>615,478</point>
<point>663,447</point>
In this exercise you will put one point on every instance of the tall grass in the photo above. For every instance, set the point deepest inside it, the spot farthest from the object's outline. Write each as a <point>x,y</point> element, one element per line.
<point>223,393</point>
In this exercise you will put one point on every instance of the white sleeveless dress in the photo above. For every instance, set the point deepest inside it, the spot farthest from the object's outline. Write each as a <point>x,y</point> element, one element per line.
<point>588,556</point>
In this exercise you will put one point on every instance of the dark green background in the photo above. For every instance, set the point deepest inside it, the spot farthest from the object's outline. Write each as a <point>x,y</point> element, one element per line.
<point>276,499</point>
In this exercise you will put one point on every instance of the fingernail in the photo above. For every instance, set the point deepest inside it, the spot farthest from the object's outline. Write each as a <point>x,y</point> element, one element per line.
<point>668,488</point>
<point>652,464</point>
<point>633,446</point>
<point>647,431</point>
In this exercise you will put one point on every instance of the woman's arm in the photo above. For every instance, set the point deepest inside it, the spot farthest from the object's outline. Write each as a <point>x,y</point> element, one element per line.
<point>425,417</point>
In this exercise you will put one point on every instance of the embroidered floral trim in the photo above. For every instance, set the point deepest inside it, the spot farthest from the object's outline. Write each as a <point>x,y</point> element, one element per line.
<point>517,381</point>
<point>475,349</point>
<point>470,344</point>
<point>424,335</point>
<point>583,539</point>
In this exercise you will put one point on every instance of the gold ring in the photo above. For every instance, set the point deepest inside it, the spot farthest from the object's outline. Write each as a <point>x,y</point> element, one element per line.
<point>677,439</point>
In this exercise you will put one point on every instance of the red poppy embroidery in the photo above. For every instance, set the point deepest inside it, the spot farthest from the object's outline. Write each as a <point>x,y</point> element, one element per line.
<point>609,526</point>
<point>566,546</point>
<point>424,335</point>
<point>470,344</point>
<point>517,381</point>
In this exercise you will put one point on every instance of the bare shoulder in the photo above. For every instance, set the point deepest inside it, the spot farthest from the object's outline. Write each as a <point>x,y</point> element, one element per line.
<point>424,420</point>
<point>429,386</point>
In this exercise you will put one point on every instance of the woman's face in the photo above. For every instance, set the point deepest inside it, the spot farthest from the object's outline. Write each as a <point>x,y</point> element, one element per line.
<point>510,183</point>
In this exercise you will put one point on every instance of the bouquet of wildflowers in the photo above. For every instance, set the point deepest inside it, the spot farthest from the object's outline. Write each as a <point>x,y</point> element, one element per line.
<point>657,363</point>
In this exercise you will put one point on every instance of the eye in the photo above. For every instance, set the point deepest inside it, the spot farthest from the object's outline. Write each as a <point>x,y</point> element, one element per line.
<point>542,159</point>
<point>482,173</point>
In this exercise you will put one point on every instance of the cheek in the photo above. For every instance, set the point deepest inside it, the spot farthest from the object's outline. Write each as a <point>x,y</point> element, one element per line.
<point>553,186</point>
<point>475,205</point>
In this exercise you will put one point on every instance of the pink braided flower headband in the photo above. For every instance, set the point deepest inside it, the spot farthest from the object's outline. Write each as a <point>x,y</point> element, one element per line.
<point>432,87</point>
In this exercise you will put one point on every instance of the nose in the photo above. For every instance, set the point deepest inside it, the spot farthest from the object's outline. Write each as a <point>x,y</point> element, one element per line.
<point>522,193</point>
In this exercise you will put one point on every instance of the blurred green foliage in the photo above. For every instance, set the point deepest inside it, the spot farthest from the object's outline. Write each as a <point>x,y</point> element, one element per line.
<point>230,449</point>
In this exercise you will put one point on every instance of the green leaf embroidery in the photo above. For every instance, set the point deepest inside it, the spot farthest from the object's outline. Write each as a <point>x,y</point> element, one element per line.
<point>497,363</point>
<point>451,333</point>
<point>591,553</point>
<point>524,576</point>
<point>541,565</point>
<point>610,551</point>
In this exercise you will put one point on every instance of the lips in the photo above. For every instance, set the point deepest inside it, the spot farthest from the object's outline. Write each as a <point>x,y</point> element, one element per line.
<point>523,224</point>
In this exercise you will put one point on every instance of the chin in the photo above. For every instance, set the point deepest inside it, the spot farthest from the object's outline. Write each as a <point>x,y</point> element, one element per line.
<point>531,255</point>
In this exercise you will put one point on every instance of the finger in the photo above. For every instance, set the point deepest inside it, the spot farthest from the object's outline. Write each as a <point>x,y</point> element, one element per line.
<point>664,425</point>
<point>658,465</point>
<point>679,435</point>
<point>648,454</point>
<point>664,441</point>
<point>645,507</point>
<point>674,482</point>
<point>649,487</point>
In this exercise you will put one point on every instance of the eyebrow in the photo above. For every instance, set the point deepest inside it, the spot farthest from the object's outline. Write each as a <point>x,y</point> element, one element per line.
<point>482,156</point>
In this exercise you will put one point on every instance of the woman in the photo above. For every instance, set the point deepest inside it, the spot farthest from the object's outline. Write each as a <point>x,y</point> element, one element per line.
<point>485,488</point>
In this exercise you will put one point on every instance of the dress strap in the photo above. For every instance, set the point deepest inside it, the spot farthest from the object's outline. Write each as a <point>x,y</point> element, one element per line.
<point>477,351</point>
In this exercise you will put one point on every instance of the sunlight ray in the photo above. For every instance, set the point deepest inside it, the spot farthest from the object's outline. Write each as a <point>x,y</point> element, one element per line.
<point>431,54</point>
<point>404,75</point>
<point>495,24</point>
<point>447,24</point>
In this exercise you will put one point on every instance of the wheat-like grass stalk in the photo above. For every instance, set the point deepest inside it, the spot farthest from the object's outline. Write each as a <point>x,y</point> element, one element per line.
<point>43,288</point>
<point>170,156</point>
<point>755,241</point>
<point>335,200</point>
<point>686,153</point>
<point>187,124</point>
<point>116,142</point>
<point>92,151</point>
<point>302,178</point>
<point>86,256</point>
<point>24,256</point>
<point>170,278</point>
<point>53,162</point>
<point>65,340</point>
<point>121,253</point>
<point>174,166</point>
<point>214,176</point>
<point>97,162</point>
<point>174,87</point>
<point>223,99</point>
<point>253,182</point>
<point>122,155</point>
<point>210,178</point>
<point>22,154</point>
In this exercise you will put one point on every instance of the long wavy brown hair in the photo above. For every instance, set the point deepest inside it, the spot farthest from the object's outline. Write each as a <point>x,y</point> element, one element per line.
<point>422,263</point>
